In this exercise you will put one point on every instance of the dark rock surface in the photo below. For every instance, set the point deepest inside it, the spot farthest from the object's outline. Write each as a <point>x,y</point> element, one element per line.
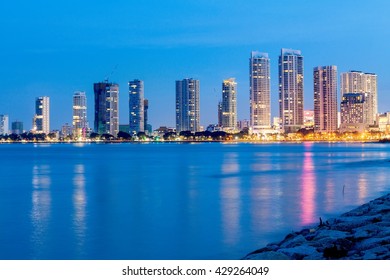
<point>361,234</point>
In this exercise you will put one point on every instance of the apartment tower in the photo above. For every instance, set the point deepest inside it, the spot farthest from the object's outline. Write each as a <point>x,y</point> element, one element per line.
<point>187,105</point>
<point>229,105</point>
<point>106,108</point>
<point>80,122</point>
<point>366,84</point>
<point>136,107</point>
<point>291,90</point>
<point>41,122</point>
<point>260,93</point>
<point>325,98</point>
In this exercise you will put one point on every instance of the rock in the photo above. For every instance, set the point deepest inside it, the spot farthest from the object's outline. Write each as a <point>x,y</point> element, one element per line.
<point>299,252</point>
<point>375,253</point>
<point>370,243</point>
<point>333,234</point>
<point>296,241</point>
<point>363,233</point>
<point>268,256</point>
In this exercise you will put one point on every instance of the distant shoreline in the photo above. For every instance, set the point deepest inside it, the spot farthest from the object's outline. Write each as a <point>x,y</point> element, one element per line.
<point>192,141</point>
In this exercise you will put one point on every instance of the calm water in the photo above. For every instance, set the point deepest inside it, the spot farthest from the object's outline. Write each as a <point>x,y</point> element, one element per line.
<point>175,201</point>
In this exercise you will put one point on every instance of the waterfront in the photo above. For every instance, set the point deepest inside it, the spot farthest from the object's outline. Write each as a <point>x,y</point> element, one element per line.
<point>176,200</point>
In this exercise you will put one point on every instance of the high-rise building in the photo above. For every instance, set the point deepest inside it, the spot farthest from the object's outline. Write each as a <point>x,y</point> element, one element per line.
<point>291,90</point>
<point>146,108</point>
<point>220,113</point>
<point>136,106</point>
<point>80,122</point>
<point>260,91</point>
<point>353,108</point>
<point>187,105</point>
<point>325,98</point>
<point>4,124</point>
<point>229,104</point>
<point>42,115</point>
<point>365,83</point>
<point>106,108</point>
<point>17,127</point>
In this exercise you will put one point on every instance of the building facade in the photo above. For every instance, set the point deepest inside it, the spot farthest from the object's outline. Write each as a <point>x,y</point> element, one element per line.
<point>136,107</point>
<point>365,83</point>
<point>325,98</point>
<point>187,105</point>
<point>41,121</point>
<point>146,108</point>
<point>80,122</point>
<point>353,117</point>
<point>229,105</point>
<point>106,108</point>
<point>17,127</point>
<point>4,124</point>
<point>260,91</point>
<point>291,90</point>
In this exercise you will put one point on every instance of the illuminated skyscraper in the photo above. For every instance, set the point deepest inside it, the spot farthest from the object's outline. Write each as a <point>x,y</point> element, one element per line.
<point>229,104</point>
<point>325,98</point>
<point>365,83</point>
<point>187,105</point>
<point>42,115</point>
<point>4,124</point>
<point>80,122</point>
<point>106,108</point>
<point>291,90</point>
<point>260,92</point>
<point>136,107</point>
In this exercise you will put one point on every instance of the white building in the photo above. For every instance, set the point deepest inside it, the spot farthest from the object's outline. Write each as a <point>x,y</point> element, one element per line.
<point>260,91</point>
<point>4,124</point>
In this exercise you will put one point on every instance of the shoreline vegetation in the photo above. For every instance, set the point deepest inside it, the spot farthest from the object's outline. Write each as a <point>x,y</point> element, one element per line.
<point>203,136</point>
<point>360,234</point>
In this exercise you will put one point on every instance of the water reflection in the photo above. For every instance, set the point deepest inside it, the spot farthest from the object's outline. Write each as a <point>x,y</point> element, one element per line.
<point>41,206</point>
<point>308,190</point>
<point>230,194</point>
<point>362,187</point>
<point>79,204</point>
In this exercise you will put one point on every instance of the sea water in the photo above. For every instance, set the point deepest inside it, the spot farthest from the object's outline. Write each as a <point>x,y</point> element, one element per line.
<point>176,200</point>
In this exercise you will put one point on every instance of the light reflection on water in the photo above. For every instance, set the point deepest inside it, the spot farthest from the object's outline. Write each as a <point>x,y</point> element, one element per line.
<point>80,205</point>
<point>176,201</point>
<point>41,207</point>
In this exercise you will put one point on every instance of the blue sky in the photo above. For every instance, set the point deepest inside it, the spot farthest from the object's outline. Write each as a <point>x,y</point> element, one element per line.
<point>54,48</point>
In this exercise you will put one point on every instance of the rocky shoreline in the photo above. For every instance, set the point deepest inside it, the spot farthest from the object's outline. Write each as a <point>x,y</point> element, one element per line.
<point>361,234</point>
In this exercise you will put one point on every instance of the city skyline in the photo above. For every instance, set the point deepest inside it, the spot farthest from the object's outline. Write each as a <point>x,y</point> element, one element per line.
<point>55,49</point>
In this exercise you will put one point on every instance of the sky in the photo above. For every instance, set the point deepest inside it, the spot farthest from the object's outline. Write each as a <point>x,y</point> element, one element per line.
<point>53,48</point>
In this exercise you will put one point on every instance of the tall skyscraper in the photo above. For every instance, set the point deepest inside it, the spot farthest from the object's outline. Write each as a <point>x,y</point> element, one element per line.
<point>365,83</point>
<point>80,122</point>
<point>146,108</point>
<point>325,98</point>
<point>220,113</point>
<point>42,115</point>
<point>187,105</point>
<point>4,124</point>
<point>229,104</point>
<point>260,91</point>
<point>136,106</point>
<point>291,90</point>
<point>353,108</point>
<point>106,108</point>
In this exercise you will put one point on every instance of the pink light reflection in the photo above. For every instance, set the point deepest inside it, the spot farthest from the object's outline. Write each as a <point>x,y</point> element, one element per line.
<point>308,190</point>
